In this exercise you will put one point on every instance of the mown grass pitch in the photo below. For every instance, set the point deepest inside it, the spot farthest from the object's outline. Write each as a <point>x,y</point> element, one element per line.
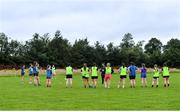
<point>17,95</point>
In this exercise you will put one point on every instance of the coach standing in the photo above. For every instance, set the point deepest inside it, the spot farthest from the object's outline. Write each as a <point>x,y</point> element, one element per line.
<point>102,72</point>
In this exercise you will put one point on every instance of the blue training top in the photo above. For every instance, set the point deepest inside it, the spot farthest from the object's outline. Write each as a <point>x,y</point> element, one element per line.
<point>35,70</point>
<point>49,73</point>
<point>22,70</point>
<point>132,70</point>
<point>30,70</point>
<point>143,71</point>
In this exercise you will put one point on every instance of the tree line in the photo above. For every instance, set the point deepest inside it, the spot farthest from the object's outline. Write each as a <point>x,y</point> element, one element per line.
<point>59,51</point>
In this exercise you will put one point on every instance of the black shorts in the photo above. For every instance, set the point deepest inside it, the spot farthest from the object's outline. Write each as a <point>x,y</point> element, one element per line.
<point>155,77</point>
<point>85,77</point>
<point>122,76</point>
<point>94,77</point>
<point>48,77</point>
<point>132,77</point>
<point>30,74</point>
<point>36,74</point>
<point>68,76</point>
<point>165,76</point>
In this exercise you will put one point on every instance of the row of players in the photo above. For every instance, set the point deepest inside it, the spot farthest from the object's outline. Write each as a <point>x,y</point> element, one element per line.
<point>106,73</point>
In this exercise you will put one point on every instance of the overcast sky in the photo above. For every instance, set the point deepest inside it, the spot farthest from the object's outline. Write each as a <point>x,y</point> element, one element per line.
<point>98,20</point>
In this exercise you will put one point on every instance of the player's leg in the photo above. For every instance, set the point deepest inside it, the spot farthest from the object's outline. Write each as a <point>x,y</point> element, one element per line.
<point>70,82</point>
<point>38,81</point>
<point>153,82</point>
<point>93,84</point>
<point>54,75</point>
<point>34,80</point>
<point>36,77</point>
<point>167,79</point>
<point>131,82</point>
<point>157,82</point>
<point>105,81</point>
<point>88,82</point>
<point>145,82</point>
<point>164,78</point>
<point>84,81</point>
<point>96,83</point>
<point>102,78</point>
<point>30,79</point>
<point>119,82</point>
<point>22,77</point>
<point>67,79</point>
<point>142,82</point>
<point>134,83</point>
<point>50,82</point>
<point>123,82</point>
<point>108,83</point>
<point>47,82</point>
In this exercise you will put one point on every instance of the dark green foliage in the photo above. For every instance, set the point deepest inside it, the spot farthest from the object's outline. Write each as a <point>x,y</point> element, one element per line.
<point>171,53</point>
<point>58,50</point>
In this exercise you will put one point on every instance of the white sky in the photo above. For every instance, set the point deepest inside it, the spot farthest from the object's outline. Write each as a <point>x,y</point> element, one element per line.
<point>98,20</point>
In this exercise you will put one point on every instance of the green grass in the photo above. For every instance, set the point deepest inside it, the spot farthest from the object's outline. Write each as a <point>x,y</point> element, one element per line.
<point>16,95</point>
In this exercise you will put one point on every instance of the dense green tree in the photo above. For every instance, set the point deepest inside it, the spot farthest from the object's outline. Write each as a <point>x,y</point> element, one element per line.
<point>38,49</point>
<point>57,50</point>
<point>4,49</point>
<point>113,54</point>
<point>153,49</point>
<point>100,53</point>
<point>82,52</point>
<point>172,53</point>
<point>127,49</point>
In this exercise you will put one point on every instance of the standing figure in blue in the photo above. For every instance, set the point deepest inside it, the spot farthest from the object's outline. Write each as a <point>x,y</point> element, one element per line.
<point>48,76</point>
<point>132,74</point>
<point>22,72</point>
<point>30,73</point>
<point>143,75</point>
<point>36,74</point>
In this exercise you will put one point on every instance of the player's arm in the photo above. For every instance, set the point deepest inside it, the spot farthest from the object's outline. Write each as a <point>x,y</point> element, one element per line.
<point>81,71</point>
<point>97,71</point>
<point>119,70</point>
<point>128,70</point>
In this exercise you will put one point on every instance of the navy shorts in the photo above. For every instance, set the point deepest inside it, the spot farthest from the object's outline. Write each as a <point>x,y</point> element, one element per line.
<point>30,74</point>
<point>36,74</point>
<point>132,77</point>
<point>22,74</point>
<point>143,76</point>
<point>48,77</point>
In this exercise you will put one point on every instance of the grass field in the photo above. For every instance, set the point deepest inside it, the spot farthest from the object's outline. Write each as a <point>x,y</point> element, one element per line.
<point>17,95</point>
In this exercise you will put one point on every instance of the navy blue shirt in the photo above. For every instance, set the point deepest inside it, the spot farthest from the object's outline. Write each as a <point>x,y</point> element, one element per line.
<point>35,70</point>
<point>49,73</point>
<point>22,70</point>
<point>132,69</point>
